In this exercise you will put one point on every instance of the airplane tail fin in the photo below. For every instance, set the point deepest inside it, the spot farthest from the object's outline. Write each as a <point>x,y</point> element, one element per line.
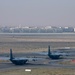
<point>49,52</point>
<point>11,55</point>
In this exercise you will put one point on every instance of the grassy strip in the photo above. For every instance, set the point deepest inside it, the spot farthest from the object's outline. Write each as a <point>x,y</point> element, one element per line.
<point>40,71</point>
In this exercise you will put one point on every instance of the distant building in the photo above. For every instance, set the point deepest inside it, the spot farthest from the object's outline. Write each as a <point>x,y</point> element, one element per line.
<point>26,29</point>
<point>68,29</point>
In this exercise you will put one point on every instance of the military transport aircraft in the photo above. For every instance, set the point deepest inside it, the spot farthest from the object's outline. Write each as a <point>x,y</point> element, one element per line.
<point>19,61</point>
<point>53,55</point>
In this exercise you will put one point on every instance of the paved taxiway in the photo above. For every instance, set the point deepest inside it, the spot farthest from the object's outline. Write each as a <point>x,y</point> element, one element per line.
<point>36,64</point>
<point>44,63</point>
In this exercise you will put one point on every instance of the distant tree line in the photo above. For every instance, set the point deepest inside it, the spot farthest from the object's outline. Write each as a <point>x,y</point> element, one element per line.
<point>36,30</point>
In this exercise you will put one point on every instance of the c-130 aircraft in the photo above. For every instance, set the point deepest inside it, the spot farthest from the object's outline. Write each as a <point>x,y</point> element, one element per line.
<point>19,61</point>
<point>53,55</point>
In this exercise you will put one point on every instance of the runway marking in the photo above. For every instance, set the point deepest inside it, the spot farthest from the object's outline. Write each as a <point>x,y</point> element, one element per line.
<point>28,70</point>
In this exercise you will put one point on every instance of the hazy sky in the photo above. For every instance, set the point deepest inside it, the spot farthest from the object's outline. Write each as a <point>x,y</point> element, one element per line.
<point>37,12</point>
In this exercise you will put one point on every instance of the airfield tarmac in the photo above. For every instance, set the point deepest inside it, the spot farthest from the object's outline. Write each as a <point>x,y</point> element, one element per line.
<point>45,62</point>
<point>28,45</point>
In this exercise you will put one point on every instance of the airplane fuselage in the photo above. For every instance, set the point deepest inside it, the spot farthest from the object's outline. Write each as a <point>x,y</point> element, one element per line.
<point>18,62</point>
<point>54,56</point>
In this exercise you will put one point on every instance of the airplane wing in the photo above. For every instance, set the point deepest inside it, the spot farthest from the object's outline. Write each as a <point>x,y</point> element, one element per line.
<point>29,59</point>
<point>22,58</point>
<point>34,59</point>
<point>53,53</point>
<point>4,58</point>
<point>42,53</point>
<point>63,54</point>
